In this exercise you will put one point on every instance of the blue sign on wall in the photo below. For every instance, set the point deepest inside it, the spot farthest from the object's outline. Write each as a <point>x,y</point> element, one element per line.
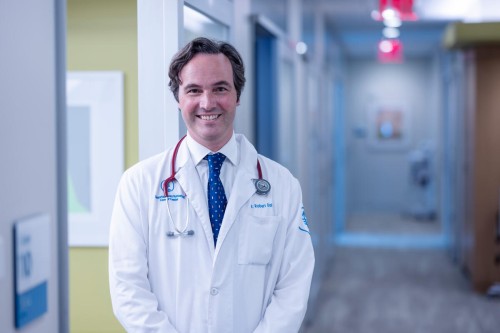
<point>32,267</point>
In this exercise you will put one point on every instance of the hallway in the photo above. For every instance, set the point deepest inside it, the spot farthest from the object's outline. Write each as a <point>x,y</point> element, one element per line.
<point>374,290</point>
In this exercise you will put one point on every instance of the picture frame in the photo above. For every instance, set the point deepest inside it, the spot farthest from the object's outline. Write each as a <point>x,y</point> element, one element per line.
<point>95,153</point>
<point>389,126</point>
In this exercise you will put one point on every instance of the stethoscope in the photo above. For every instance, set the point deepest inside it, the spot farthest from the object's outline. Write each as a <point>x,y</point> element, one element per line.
<point>262,187</point>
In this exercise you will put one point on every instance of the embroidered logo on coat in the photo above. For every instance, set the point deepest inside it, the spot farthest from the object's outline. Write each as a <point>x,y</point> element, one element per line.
<point>263,205</point>
<point>305,226</point>
<point>170,188</point>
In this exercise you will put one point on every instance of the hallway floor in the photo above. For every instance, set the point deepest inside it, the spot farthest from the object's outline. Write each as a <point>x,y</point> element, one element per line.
<point>399,224</point>
<point>369,290</point>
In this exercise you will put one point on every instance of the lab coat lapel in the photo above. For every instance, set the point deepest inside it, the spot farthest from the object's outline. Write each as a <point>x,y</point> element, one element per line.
<point>243,187</point>
<point>187,176</point>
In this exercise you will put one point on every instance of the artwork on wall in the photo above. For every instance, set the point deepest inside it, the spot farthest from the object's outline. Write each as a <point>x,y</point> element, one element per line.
<point>95,153</point>
<point>388,126</point>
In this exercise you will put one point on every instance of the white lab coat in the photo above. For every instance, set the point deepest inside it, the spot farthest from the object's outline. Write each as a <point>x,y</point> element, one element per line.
<point>258,277</point>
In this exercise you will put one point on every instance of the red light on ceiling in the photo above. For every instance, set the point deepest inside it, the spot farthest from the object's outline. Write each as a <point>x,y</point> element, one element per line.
<point>390,51</point>
<point>404,8</point>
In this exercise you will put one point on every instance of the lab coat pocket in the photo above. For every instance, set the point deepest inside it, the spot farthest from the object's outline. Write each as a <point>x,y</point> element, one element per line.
<point>256,239</point>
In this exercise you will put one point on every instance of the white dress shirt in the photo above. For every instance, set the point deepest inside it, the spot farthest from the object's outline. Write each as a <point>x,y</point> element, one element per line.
<point>228,170</point>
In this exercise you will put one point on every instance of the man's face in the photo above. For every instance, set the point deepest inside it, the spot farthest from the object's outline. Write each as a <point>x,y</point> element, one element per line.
<point>207,99</point>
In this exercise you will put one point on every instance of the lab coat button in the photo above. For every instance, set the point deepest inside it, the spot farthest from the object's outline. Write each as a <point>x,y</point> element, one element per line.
<point>214,291</point>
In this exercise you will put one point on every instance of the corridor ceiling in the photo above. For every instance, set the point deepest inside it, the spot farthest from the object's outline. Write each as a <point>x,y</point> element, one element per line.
<point>351,23</point>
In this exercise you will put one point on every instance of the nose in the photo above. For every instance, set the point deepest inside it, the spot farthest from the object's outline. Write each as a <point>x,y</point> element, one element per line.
<point>207,101</point>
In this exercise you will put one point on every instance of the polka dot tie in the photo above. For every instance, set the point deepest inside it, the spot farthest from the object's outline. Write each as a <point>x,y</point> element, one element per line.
<point>216,197</point>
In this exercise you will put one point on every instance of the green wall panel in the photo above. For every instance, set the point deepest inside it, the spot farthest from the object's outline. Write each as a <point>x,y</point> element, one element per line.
<point>101,35</point>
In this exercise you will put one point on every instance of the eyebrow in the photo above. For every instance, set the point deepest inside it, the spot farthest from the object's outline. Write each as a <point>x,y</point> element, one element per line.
<point>222,83</point>
<point>191,85</point>
<point>219,83</point>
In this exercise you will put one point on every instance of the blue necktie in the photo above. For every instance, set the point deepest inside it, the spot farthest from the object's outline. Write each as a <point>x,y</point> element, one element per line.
<point>216,197</point>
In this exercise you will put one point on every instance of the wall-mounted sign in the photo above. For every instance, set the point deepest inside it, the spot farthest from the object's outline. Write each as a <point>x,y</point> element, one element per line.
<point>32,267</point>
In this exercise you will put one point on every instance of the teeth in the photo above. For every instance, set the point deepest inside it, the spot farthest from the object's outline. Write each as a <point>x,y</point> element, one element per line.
<point>209,117</point>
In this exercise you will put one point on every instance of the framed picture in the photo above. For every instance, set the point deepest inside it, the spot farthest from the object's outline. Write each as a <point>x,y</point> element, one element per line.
<point>95,153</point>
<point>389,126</point>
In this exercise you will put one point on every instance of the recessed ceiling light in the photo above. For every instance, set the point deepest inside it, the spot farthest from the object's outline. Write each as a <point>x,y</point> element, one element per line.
<point>390,32</point>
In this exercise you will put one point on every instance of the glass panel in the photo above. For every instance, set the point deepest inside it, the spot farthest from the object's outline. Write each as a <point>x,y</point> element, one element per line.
<point>287,117</point>
<point>197,24</point>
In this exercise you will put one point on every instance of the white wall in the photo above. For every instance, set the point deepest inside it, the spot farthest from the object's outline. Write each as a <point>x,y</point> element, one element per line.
<point>32,77</point>
<point>378,179</point>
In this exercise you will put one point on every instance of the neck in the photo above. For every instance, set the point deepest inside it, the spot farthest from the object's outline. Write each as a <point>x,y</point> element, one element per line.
<point>213,146</point>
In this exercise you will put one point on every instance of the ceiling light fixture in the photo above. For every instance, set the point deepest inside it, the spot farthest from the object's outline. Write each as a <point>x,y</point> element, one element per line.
<point>389,32</point>
<point>375,14</point>
<point>394,22</point>
<point>390,13</point>
<point>385,46</point>
<point>301,48</point>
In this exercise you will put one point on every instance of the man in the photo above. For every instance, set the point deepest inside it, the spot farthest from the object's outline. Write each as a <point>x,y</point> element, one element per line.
<point>223,244</point>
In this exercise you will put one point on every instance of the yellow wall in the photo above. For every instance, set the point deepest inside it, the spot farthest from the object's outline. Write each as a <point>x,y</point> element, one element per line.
<point>101,35</point>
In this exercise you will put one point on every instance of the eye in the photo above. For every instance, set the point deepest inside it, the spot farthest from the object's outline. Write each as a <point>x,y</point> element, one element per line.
<point>193,91</point>
<point>220,89</point>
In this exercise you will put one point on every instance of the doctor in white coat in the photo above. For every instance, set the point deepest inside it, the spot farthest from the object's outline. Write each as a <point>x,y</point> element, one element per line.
<point>169,271</point>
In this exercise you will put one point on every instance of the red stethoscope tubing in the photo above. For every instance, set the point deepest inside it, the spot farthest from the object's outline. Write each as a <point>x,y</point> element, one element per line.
<point>174,157</point>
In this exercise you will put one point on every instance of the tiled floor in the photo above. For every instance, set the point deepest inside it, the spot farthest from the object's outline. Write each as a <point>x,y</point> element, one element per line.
<point>370,290</point>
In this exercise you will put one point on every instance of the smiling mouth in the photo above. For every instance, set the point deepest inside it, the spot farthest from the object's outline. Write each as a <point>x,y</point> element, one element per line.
<point>209,117</point>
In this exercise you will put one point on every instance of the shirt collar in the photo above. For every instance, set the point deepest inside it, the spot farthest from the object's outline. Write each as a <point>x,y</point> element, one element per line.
<point>198,151</point>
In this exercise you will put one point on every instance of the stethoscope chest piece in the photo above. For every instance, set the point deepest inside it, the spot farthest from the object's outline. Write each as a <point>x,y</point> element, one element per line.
<point>262,186</point>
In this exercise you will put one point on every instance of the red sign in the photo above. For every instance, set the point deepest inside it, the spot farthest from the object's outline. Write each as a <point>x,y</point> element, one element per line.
<point>403,7</point>
<point>390,51</point>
